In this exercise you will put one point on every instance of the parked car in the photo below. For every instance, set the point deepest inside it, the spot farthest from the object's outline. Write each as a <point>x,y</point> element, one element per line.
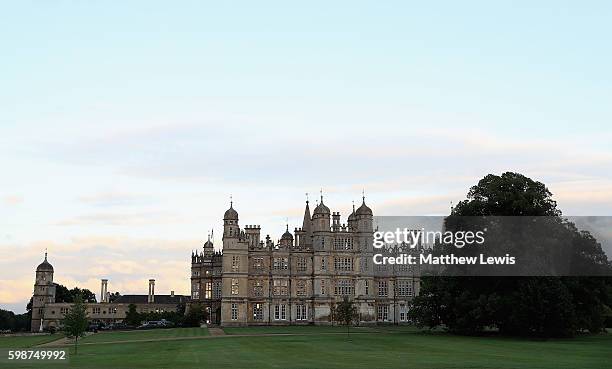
<point>117,326</point>
<point>148,325</point>
<point>152,324</point>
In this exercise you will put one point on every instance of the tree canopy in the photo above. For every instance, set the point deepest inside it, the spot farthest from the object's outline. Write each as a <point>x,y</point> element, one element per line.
<point>531,306</point>
<point>63,294</point>
<point>346,313</point>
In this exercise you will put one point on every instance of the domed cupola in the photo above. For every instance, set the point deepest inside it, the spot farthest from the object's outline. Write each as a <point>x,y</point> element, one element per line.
<point>351,216</point>
<point>230,223</point>
<point>231,213</point>
<point>287,235</point>
<point>287,238</point>
<point>364,209</point>
<point>321,209</point>
<point>321,217</point>
<point>45,266</point>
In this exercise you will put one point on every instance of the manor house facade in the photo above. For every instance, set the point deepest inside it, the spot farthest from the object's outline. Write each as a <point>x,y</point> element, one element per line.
<point>299,279</point>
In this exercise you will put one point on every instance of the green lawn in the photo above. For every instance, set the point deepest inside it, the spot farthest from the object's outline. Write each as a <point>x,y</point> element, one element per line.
<point>146,334</point>
<point>307,329</point>
<point>27,341</point>
<point>399,349</point>
<point>312,329</point>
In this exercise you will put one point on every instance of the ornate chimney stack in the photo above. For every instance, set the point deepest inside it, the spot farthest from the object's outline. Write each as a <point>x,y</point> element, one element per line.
<point>151,291</point>
<point>104,290</point>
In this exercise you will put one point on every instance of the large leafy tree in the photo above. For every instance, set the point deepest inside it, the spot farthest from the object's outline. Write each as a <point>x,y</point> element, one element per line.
<point>536,306</point>
<point>75,321</point>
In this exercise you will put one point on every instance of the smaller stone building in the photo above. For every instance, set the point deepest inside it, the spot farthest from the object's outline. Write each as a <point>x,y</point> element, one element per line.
<point>46,313</point>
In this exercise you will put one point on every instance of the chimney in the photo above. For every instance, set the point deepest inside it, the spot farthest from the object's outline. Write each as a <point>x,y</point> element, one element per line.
<point>151,291</point>
<point>104,290</point>
<point>171,293</point>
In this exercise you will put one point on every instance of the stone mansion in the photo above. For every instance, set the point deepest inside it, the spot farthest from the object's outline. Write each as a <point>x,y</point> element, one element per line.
<point>299,279</point>
<point>254,281</point>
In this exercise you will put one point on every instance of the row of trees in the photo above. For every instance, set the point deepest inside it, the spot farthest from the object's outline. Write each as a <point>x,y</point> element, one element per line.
<point>14,322</point>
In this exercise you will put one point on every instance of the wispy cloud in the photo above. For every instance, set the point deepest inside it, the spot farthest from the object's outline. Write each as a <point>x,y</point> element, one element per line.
<point>121,219</point>
<point>116,198</point>
<point>12,200</point>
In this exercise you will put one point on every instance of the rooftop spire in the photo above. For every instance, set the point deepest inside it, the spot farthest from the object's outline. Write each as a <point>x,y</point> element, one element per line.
<point>307,219</point>
<point>45,254</point>
<point>363,195</point>
<point>321,195</point>
<point>231,201</point>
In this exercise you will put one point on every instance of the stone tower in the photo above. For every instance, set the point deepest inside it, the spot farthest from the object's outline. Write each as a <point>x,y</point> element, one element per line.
<point>44,293</point>
<point>235,270</point>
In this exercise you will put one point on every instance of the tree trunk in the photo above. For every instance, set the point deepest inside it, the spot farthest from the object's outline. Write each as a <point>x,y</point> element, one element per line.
<point>75,344</point>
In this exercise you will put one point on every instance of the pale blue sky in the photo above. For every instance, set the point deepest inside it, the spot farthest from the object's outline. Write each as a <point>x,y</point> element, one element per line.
<point>124,127</point>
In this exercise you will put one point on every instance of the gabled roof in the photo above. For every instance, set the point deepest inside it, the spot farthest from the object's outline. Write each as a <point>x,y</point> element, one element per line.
<point>159,299</point>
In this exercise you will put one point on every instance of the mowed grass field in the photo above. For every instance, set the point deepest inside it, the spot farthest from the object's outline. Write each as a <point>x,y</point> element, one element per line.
<point>152,334</point>
<point>384,348</point>
<point>27,341</point>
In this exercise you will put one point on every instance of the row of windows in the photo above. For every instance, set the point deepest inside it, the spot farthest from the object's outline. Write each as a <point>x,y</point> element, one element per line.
<point>343,243</point>
<point>404,288</point>
<point>94,310</point>
<point>196,273</point>
<point>258,263</point>
<point>301,264</point>
<point>383,288</point>
<point>397,267</point>
<point>383,313</point>
<point>343,287</point>
<point>280,311</point>
<point>280,263</point>
<point>258,288</point>
<point>281,287</point>
<point>211,290</point>
<point>343,264</point>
